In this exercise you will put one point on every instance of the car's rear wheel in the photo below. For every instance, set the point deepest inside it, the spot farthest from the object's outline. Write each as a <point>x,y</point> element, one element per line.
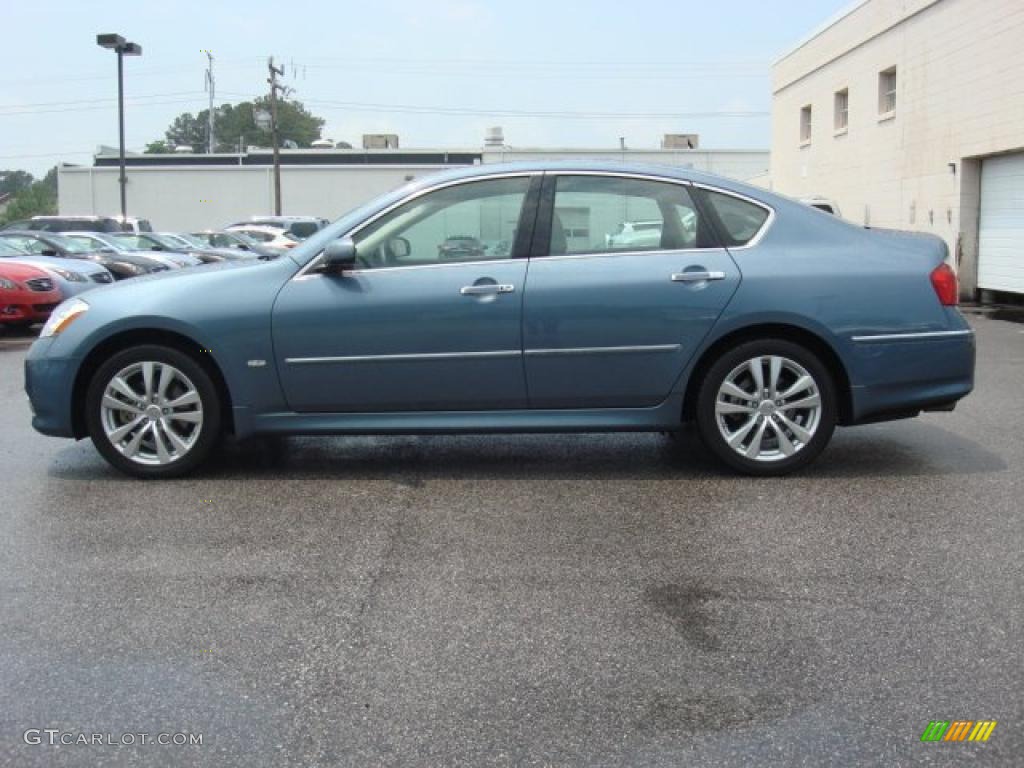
<point>767,407</point>
<point>153,411</point>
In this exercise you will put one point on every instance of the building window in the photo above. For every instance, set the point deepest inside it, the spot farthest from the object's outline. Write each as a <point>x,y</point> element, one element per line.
<point>842,110</point>
<point>805,125</point>
<point>887,92</point>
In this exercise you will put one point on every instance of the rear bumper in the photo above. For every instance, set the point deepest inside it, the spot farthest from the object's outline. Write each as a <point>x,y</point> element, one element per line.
<point>899,375</point>
<point>48,383</point>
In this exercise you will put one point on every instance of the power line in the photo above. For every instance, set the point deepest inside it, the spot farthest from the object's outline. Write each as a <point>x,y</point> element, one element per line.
<point>191,100</point>
<point>556,114</point>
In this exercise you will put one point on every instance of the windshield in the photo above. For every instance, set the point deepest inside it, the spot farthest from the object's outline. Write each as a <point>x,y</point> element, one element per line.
<point>91,243</point>
<point>193,240</point>
<point>8,249</point>
<point>132,242</point>
<point>69,244</point>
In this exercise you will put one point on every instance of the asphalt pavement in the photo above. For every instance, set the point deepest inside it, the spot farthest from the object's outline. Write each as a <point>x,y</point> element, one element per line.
<point>592,600</point>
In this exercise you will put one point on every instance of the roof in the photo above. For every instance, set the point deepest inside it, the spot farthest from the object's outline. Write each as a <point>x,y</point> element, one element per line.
<point>827,24</point>
<point>588,166</point>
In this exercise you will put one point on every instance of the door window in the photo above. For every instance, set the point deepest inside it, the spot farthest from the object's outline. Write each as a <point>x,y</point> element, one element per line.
<point>740,220</point>
<point>475,221</point>
<point>608,214</point>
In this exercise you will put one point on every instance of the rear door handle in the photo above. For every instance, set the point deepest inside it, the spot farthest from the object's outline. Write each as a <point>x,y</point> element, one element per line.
<point>486,289</point>
<point>696,277</point>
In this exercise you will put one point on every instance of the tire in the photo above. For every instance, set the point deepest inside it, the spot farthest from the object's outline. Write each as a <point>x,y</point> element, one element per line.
<point>787,438</point>
<point>176,417</point>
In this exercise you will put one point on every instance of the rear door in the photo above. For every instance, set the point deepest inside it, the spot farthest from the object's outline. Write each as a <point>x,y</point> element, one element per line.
<point>610,321</point>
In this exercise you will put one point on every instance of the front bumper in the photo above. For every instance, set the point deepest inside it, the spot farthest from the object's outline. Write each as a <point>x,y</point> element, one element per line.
<point>49,383</point>
<point>901,377</point>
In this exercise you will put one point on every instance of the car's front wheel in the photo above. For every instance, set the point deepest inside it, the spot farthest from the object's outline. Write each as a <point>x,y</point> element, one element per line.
<point>153,411</point>
<point>767,407</point>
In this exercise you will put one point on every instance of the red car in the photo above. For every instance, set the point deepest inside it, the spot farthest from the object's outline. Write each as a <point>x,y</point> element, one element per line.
<point>27,294</point>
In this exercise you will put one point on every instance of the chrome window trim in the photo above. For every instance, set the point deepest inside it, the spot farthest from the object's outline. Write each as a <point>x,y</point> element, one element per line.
<point>914,336</point>
<point>406,358</point>
<point>752,242</point>
<point>375,270</point>
<point>612,254</point>
<point>557,351</point>
<point>415,196</point>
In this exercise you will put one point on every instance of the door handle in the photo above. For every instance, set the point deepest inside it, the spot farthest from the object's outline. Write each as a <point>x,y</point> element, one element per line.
<point>486,289</point>
<point>696,277</point>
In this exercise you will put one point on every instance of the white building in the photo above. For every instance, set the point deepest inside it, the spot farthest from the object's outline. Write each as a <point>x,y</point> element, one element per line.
<point>190,192</point>
<point>910,114</point>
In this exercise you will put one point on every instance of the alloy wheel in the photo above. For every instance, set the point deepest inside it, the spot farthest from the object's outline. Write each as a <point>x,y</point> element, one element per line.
<point>768,408</point>
<point>151,413</point>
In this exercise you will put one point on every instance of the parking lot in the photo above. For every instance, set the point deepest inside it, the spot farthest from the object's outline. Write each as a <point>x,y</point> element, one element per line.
<point>522,600</point>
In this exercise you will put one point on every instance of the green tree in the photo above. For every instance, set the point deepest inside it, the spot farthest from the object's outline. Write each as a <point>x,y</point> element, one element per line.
<point>236,122</point>
<point>12,182</point>
<point>38,198</point>
<point>158,147</point>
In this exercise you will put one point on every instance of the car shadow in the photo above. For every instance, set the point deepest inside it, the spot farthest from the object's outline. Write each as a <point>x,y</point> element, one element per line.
<point>903,448</point>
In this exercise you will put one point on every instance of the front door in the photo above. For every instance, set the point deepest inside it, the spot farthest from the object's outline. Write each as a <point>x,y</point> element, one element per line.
<point>430,319</point>
<point>618,301</point>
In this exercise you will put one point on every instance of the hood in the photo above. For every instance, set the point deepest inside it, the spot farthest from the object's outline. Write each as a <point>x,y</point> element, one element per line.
<point>79,266</point>
<point>20,272</point>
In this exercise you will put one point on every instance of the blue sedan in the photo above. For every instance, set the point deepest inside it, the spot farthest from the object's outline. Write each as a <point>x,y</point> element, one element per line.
<point>765,322</point>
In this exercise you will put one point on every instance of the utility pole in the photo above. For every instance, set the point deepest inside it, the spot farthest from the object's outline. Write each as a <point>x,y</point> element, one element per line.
<point>274,87</point>
<point>210,87</point>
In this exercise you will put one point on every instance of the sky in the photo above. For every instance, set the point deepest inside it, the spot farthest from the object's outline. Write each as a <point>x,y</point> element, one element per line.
<point>436,72</point>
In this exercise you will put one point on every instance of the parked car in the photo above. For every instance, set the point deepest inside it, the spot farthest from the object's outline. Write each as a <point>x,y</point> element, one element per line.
<point>121,266</point>
<point>237,240</point>
<point>273,238</point>
<point>88,224</point>
<point>460,247</point>
<point>822,204</point>
<point>147,241</point>
<point>831,324</point>
<point>73,276</point>
<point>27,294</point>
<point>635,234</point>
<point>104,241</point>
<point>205,253</point>
<point>299,227</point>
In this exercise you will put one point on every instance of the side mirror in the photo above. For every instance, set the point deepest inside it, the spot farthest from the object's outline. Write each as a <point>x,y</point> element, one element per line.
<point>340,255</point>
<point>48,252</point>
<point>399,248</point>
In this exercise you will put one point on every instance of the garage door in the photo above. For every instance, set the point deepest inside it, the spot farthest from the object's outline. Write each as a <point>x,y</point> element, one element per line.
<point>1001,227</point>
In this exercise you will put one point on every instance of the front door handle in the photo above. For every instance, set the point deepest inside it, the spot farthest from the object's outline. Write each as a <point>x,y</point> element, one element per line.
<point>696,277</point>
<point>486,289</point>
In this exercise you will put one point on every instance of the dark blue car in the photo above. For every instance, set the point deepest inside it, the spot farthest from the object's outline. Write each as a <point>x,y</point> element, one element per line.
<point>762,320</point>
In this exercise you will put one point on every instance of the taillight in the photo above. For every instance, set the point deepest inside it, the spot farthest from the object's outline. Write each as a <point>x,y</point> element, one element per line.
<point>944,282</point>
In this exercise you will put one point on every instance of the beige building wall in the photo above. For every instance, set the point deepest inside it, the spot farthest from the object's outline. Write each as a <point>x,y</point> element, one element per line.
<point>960,96</point>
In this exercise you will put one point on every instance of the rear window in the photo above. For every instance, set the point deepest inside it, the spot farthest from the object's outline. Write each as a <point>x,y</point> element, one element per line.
<point>740,220</point>
<point>57,224</point>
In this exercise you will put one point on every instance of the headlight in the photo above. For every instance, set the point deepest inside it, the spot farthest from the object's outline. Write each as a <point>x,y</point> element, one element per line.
<point>63,316</point>
<point>73,277</point>
<point>8,285</point>
<point>132,269</point>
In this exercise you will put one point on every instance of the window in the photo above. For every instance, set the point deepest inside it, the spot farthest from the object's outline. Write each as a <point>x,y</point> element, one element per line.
<point>475,221</point>
<point>805,125</point>
<point>740,220</point>
<point>887,92</point>
<point>610,214</point>
<point>842,110</point>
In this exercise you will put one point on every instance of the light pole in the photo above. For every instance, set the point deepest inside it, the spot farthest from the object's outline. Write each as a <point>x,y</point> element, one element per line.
<point>123,48</point>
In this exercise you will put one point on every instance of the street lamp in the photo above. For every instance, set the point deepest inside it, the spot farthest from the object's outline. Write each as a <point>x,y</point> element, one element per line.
<point>123,48</point>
